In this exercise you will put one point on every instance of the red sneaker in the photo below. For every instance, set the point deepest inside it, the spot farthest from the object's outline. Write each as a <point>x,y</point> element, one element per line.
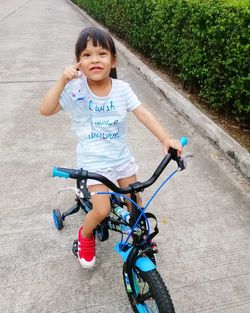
<point>86,250</point>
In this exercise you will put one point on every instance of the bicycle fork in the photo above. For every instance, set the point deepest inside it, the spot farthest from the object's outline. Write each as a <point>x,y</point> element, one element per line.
<point>130,257</point>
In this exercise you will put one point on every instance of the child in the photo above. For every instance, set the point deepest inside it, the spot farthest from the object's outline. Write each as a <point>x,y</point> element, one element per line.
<point>98,105</point>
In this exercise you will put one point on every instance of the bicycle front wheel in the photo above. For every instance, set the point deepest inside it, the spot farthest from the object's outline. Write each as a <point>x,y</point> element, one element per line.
<point>151,294</point>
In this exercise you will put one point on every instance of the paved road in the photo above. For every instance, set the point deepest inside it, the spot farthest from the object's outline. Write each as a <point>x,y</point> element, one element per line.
<point>204,213</point>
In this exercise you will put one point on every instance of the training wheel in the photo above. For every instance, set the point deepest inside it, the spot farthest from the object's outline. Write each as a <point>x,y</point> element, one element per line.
<point>57,217</point>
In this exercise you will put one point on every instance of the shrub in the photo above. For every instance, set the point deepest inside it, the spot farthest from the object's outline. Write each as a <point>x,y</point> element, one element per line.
<point>205,42</point>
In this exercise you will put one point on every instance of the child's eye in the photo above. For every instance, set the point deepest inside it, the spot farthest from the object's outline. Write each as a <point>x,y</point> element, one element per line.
<point>103,53</point>
<point>85,55</point>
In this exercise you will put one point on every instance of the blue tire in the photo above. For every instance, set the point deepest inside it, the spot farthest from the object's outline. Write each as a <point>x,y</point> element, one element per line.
<point>57,217</point>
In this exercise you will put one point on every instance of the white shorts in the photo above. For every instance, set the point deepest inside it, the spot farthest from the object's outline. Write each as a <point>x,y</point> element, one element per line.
<point>117,172</point>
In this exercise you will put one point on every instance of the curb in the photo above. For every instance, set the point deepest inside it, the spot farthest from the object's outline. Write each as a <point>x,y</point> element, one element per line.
<point>236,154</point>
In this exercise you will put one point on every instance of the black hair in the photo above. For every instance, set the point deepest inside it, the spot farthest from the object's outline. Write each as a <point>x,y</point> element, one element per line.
<point>99,37</point>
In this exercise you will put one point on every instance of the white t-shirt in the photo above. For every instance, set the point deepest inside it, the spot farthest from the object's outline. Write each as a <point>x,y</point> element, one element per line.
<point>99,122</point>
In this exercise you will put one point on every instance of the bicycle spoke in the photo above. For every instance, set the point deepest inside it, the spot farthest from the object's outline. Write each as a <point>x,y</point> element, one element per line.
<point>146,296</point>
<point>154,310</point>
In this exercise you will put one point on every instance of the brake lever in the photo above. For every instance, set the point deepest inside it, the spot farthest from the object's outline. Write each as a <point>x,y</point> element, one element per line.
<point>67,188</point>
<point>77,191</point>
<point>182,161</point>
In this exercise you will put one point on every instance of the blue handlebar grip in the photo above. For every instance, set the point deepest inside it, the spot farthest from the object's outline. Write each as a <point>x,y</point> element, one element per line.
<point>184,141</point>
<point>57,173</point>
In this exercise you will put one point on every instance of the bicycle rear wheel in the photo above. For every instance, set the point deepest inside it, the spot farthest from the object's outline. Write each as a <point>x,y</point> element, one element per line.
<point>151,294</point>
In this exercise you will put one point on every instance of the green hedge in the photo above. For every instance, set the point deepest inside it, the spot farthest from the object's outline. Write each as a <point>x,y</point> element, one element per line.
<point>205,42</point>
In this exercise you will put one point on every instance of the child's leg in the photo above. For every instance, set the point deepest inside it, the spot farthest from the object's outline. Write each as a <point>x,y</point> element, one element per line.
<point>86,240</point>
<point>124,182</point>
<point>100,210</point>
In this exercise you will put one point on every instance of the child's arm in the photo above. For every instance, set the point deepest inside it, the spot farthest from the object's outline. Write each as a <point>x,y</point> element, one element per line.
<point>152,124</point>
<point>50,103</point>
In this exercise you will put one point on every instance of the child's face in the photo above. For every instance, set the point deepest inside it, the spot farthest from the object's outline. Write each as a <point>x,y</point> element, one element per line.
<point>96,62</point>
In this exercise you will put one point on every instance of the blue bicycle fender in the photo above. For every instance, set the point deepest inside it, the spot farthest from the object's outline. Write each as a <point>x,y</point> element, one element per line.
<point>143,263</point>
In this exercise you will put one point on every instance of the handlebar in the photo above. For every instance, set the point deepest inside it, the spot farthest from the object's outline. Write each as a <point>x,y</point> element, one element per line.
<point>81,174</point>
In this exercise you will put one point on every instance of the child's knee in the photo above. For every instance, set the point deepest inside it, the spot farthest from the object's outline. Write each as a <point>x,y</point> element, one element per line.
<point>101,213</point>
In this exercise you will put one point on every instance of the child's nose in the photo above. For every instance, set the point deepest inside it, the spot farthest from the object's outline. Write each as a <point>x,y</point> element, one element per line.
<point>95,58</point>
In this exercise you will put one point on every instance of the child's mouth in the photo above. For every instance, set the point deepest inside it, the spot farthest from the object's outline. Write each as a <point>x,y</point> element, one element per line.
<point>96,68</point>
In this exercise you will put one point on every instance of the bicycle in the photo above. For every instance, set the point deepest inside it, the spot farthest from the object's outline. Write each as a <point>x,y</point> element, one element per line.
<point>144,286</point>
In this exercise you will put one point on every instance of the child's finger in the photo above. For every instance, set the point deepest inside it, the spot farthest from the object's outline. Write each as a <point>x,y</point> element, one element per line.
<point>78,64</point>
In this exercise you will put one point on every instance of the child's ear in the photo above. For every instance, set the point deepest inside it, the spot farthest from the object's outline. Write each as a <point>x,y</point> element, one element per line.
<point>114,62</point>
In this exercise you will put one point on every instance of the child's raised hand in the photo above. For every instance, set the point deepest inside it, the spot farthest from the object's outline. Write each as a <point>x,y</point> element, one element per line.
<point>71,72</point>
<point>172,143</point>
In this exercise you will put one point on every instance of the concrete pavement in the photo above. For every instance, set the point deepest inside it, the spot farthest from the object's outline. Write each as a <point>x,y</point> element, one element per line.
<point>204,212</point>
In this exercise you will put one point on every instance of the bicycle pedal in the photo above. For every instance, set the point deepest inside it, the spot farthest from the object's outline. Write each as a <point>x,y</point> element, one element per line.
<point>75,248</point>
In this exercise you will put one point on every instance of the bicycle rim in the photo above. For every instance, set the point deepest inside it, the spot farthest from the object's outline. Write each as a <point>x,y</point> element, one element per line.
<point>151,294</point>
